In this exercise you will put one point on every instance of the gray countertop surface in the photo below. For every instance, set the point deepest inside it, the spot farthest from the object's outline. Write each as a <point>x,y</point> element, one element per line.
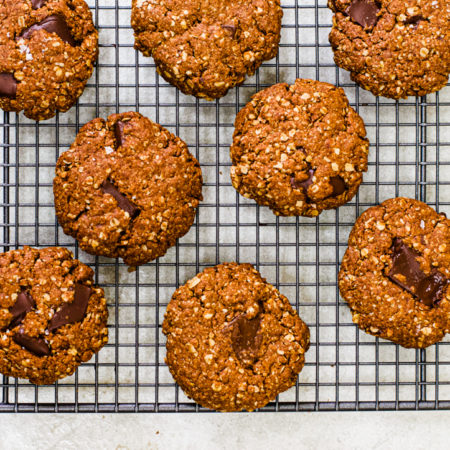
<point>368,430</point>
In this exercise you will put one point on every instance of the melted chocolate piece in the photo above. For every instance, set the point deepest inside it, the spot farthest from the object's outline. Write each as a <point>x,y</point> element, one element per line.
<point>245,338</point>
<point>427,288</point>
<point>23,305</point>
<point>36,346</point>
<point>413,20</point>
<point>118,132</point>
<point>36,4</point>
<point>304,184</point>
<point>8,85</point>
<point>231,29</point>
<point>72,312</point>
<point>338,185</point>
<point>123,202</point>
<point>363,12</point>
<point>52,24</point>
<point>336,182</point>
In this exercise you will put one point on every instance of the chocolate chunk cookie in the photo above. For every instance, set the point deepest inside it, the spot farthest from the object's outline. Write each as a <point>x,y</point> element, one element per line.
<point>299,149</point>
<point>233,341</point>
<point>52,316</point>
<point>393,48</point>
<point>127,188</point>
<point>395,273</point>
<point>47,52</point>
<point>205,47</point>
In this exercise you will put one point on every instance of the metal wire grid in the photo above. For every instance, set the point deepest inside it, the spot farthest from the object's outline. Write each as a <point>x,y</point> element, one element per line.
<point>346,369</point>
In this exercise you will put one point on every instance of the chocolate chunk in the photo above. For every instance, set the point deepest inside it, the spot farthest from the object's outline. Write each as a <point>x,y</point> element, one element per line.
<point>405,264</point>
<point>8,85</point>
<point>245,338</point>
<point>118,131</point>
<point>231,29</point>
<point>72,312</point>
<point>338,184</point>
<point>36,346</point>
<point>414,21</point>
<point>431,288</point>
<point>52,24</point>
<point>303,184</point>
<point>23,305</point>
<point>363,12</point>
<point>122,200</point>
<point>427,288</point>
<point>36,4</point>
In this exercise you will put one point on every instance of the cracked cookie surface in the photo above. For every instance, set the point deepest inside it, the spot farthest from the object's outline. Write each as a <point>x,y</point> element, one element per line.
<point>393,48</point>
<point>47,53</point>
<point>233,341</point>
<point>299,149</point>
<point>394,274</point>
<point>205,47</point>
<point>52,316</point>
<point>127,188</point>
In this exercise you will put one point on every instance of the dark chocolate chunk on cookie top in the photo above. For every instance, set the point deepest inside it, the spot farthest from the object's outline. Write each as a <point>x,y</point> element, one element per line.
<point>52,24</point>
<point>119,133</point>
<point>363,12</point>
<point>245,337</point>
<point>24,304</point>
<point>304,184</point>
<point>123,202</point>
<point>72,312</point>
<point>37,346</point>
<point>406,273</point>
<point>338,185</point>
<point>414,21</point>
<point>8,85</point>
<point>36,4</point>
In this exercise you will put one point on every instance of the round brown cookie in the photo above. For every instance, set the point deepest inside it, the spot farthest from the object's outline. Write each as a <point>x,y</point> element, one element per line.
<point>233,341</point>
<point>47,52</point>
<point>205,47</point>
<point>395,273</point>
<point>127,188</point>
<point>52,316</point>
<point>299,149</point>
<point>393,48</point>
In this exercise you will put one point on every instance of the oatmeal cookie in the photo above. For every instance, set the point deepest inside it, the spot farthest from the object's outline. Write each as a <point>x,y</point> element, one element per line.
<point>205,47</point>
<point>299,149</point>
<point>127,188</point>
<point>233,341</point>
<point>395,273</point>
<point>393,48</point>
<point>47,52</point>
<point>52,316</point>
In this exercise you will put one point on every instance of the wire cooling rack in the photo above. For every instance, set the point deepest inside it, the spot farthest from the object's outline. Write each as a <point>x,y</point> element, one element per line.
<point>345,368</point>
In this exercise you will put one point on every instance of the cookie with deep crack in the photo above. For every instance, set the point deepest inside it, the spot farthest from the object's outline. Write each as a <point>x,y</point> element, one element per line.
<point>47,53</point>
<point>127,188</point>
<point>395,273</point>
<point>233,341</point>
<point>52,316</point>
<point>205,47</point>
<point>299,149</point>
<point>393,48</point>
